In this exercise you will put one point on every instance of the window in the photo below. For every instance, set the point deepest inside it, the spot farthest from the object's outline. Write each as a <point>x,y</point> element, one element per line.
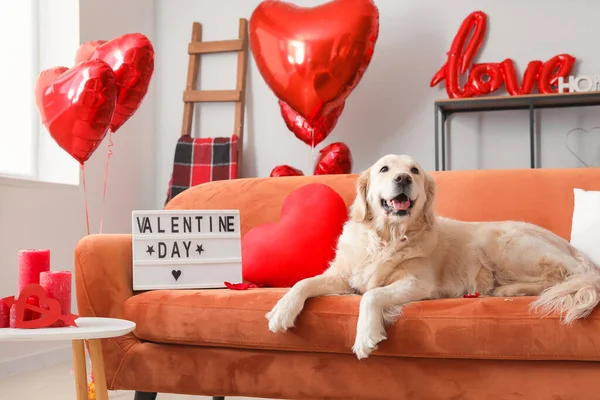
<point>17,78</point>
<point>34,35</point>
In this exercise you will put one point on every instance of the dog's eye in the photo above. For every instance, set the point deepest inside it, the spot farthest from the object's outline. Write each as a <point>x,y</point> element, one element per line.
<point>414,170</point>
<point>384,169</point>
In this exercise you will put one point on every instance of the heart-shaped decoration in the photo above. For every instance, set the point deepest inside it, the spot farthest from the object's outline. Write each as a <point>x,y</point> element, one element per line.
<point>313,57</point>
<point>34,309</point>
<point>301,244</point>
<point>285,170</point>
<point>176,274</point>
<point>335,158</point>
<point>77,105</point>
<point>313,134</point>
<point>131,56</point>
<point>87,49</point>
<point>584,145</point>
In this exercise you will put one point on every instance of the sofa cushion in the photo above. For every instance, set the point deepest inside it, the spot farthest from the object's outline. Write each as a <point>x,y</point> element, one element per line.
<point>480,328</point>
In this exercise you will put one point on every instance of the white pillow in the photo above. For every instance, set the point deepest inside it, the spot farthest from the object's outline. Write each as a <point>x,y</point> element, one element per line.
<point>585,227</point>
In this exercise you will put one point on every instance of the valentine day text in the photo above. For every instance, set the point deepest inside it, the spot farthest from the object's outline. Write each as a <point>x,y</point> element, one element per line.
<point>173,224</point>
<point>186,249</point>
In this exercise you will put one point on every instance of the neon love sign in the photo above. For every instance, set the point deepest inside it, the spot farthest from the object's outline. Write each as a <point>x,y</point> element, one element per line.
<point>487,78</point>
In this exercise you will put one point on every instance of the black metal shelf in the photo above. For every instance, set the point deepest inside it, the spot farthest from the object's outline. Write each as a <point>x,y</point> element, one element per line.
<point>447,107</point>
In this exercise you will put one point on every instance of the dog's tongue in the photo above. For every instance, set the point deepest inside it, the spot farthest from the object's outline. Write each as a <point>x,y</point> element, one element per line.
<point>400,205</point>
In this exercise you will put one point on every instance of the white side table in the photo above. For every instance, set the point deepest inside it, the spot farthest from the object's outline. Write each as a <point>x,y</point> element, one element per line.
<point>90,329</point>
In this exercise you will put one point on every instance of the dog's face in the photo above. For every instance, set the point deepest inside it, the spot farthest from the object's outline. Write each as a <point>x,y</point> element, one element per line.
<point>394,188</point>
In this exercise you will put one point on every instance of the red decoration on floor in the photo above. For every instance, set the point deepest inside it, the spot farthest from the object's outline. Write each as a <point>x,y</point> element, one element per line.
<point>335,158</point>
<point>57,285</point>
<point>32,262</point>
<point>285,170</point>
<point>241,286</point>
<point>47,308</point>
<point>301,244</point>
<point>471,296</point>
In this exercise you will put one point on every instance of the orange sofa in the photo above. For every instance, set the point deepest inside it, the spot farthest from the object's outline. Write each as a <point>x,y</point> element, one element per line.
<point>216,342</point>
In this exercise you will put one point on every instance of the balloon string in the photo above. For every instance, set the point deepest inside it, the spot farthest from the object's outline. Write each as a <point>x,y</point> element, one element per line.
<point>87,215</point>
<point>312,145</point>
<point>108,155</point>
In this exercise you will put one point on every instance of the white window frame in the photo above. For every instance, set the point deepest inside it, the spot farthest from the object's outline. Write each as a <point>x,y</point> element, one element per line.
<point>55,40</point>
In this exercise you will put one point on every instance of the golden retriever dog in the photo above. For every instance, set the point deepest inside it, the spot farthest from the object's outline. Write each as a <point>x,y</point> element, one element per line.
<point>394,250</point>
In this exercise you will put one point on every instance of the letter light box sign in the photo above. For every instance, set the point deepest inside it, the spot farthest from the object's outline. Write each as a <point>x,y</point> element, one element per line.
<point>186,249</point>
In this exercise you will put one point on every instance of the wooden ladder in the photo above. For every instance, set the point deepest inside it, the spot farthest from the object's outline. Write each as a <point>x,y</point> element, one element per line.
<point>193,95</point>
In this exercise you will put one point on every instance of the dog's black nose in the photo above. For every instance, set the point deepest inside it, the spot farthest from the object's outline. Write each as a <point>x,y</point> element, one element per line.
<point>404,179</point>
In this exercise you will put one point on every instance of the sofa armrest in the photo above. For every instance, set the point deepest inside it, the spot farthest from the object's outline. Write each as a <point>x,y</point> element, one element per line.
<point>103,279</point>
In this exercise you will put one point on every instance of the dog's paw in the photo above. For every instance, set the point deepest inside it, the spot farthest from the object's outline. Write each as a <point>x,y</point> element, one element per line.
<point>282,316</point>
<point>366,341</point>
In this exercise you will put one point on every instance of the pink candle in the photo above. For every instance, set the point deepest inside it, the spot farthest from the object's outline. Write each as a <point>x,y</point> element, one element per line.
<point>4,315</point>
<point>13,316</point>
<point>57,285</point>
<point>32,263</point>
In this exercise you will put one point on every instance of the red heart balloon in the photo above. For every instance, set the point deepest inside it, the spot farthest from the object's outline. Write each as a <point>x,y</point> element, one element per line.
<point>86,50</point>
<point>313,134</point>
<point>301,244</point>
<point>285,170</point>
<point>131,57</point>
<point>44,80</point>
<point>313,57</point>
<point>334,159</point>
<point>77,105</point>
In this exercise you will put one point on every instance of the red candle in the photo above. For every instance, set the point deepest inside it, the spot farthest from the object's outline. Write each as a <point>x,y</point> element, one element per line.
<point>57,285</point>
<point>32,263</point>
<point>4,315</point>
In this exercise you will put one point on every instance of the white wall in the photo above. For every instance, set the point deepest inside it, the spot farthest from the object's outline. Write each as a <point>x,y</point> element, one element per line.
<point>392,108</point>
<point>24,224</point>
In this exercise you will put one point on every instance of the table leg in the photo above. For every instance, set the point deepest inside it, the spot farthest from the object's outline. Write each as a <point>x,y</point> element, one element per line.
<point>95,347</point>
<point>79,369</point>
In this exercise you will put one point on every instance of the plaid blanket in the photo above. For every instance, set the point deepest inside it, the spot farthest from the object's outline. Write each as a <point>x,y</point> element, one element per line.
<point>202,160</point>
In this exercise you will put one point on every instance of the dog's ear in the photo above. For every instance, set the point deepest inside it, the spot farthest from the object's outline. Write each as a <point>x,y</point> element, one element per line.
<point>430,193</point>
<point>360,208</point>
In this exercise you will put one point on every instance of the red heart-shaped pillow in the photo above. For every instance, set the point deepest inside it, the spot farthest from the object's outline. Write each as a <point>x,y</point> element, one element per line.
<point>301,244</point>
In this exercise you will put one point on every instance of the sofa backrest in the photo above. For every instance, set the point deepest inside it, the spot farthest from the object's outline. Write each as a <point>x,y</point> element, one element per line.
<point>540,196</point>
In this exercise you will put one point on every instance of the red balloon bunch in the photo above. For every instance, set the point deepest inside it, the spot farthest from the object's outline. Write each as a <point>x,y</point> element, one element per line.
<point>105,87</point>
<point>102,90</point>
<point>312,58</point>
